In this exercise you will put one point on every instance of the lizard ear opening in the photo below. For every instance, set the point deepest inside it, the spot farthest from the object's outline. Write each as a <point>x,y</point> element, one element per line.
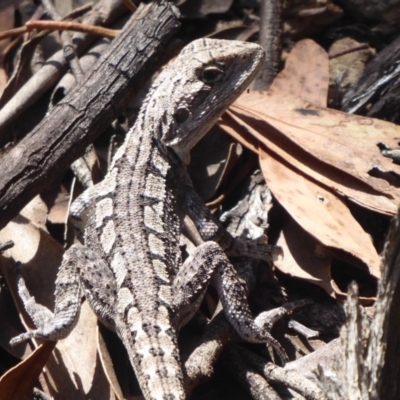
<point>181,115</point>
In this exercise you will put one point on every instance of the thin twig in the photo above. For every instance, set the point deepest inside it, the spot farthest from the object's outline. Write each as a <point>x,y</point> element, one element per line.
<point>274,373</point>
<point>59,26</point>
<point>73,14</point>
<point>51,10</point>
<point>66,39</point>
<point>78,12</point>
<point>270,40</point>
<point>7,245</point>
<point>347,51</point>
<point>13,32</point>
<point>71,26</point>
<point>129,5</point>
<point>18,96</point>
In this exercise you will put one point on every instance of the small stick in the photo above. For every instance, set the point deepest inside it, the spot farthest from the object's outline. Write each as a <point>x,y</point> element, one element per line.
<point>71,26</point>
<point>270,40</point>
<point>23,29</point>
<point>13,32</point>
<point>68,46</point>
<point>347,51</point>
<point>129,5</point>
<point>78,12</point>
<point>7,245</point>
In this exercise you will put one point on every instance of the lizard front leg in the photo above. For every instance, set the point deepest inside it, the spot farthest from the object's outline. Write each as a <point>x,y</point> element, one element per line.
<point>210,229</point>
<point>78,268</point>
<point>82,205</point>
<point>191,283</point>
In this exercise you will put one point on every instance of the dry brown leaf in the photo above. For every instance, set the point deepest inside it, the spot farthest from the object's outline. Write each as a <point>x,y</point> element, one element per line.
<point>292,135</point>
<point>108,367</point>
<point>335,148</point>
<point>348,142</point>
<point>18,382</point>
<point>6,23</point>
<point>302,258</point>
<point>58,203</point>
<point>319,212</point>
<point>306,73</point>
<point>211,162</point>
<point>76,355</point>
<point>352,188</point>
<point>309,137</point>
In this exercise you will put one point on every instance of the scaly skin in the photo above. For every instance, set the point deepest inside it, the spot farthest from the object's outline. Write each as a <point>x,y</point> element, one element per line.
<point>131,219</point>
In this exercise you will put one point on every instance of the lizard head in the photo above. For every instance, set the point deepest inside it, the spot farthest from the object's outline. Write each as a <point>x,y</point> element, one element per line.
<point>194,90</point>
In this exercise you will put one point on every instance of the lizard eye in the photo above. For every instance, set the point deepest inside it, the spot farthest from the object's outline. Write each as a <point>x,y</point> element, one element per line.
<point>211,74</point>
<point>181,115</point>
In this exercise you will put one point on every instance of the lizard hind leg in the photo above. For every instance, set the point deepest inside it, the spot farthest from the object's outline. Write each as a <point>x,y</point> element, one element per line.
<point>191,283</point>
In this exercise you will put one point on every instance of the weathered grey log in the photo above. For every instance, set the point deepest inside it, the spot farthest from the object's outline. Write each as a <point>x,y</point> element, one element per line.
<point>370,367</point>
<point>87,110</point>
<point>383,354</point>
<point>375,94</point>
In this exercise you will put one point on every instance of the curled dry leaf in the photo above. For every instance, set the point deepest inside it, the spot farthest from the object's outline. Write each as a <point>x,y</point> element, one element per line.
<point>6,23</point>
<point>325,142</point>
<point>76,355</point>
<point>108,366</point>
<point>310,153</point>
<point>79,358</point>
<point>18,382</point>
<point>302,259</point>
<point>320,212</point>
<point>211,162</point>
<point>306,73</point>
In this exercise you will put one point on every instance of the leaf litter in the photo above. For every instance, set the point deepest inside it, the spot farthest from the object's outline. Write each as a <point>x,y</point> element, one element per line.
<point>315,159</point>
<point>76,355</point>
<point>322,187</point>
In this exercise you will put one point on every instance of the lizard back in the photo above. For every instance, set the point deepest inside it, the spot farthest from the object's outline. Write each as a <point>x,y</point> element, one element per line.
<point>134,222</point>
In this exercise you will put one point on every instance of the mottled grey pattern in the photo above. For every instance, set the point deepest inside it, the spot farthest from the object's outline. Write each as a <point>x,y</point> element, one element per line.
<point>130,267</point>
